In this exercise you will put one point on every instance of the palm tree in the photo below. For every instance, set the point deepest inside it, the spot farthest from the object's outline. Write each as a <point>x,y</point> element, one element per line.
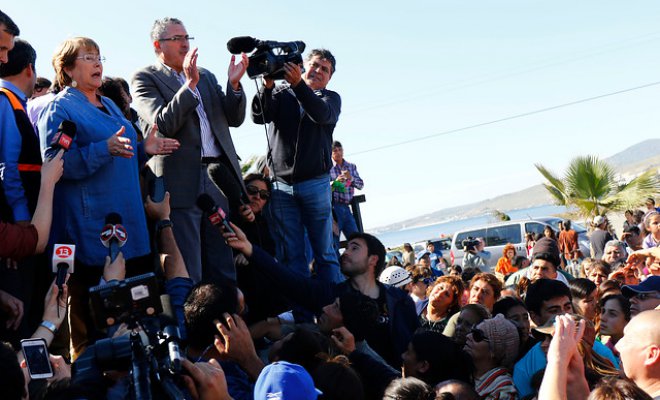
<point>591,186</point>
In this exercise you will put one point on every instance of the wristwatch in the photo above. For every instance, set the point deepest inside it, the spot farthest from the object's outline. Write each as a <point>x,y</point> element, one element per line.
<point>50,326</point>
<point>162,224</point>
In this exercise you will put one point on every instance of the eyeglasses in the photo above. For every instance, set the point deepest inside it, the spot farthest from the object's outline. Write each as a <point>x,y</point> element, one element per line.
<point>253,190</point>
<point>646,296</point>
<point>177,39</point>
<point>479,336</point>
<point>91,58</point>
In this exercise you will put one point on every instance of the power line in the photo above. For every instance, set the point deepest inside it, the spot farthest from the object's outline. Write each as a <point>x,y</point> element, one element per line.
<point>542,110</point>
<point>483,79</point>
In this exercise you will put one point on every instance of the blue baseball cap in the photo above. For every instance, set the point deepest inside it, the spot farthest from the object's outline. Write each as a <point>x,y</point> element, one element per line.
<point>422,254</point>
<point>285,381</point>
<point>650,285</point>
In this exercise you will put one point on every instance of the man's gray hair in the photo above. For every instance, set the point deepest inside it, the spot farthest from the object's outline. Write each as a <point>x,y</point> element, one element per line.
<point>617,243</point>
<point>160,26</point>
<point>323,54</point>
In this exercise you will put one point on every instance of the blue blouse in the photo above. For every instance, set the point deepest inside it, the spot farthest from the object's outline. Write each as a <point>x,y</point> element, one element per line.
<point>94,182</point>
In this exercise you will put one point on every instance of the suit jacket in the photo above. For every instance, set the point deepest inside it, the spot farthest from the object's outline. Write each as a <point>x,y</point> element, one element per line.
<point>159,98</point>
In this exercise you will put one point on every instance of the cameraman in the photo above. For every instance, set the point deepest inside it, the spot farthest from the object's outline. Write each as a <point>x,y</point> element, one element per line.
<point>472,257</point>
<point>302,115</point>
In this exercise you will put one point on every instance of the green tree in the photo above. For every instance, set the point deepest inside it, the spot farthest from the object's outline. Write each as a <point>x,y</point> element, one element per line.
<point>500,215</point>
<point>591,186</point>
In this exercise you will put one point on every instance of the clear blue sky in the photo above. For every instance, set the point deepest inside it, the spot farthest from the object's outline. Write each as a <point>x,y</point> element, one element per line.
<point>411,69</point>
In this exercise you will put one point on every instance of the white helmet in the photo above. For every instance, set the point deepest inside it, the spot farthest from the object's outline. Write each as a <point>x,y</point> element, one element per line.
<point>395,276</point>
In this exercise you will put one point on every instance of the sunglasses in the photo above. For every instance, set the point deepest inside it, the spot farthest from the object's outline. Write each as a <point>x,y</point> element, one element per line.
<point>253,190</point>
<point>540,336</point>
<point>479,336</point>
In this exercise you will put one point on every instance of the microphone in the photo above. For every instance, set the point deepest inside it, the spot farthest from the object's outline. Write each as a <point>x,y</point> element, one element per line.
<point>63,137</point>
<point>63,262</point>
<point>245,44</point>
<point>113,235</point>
<point>170,334</point>
<point>217,215</point>
<point>228,184</point>
<point>242,44</point>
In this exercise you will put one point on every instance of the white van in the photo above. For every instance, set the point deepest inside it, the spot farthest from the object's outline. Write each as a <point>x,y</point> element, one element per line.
<point>499,234</point>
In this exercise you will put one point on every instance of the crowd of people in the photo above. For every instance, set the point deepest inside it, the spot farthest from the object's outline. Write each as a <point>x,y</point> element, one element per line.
<point>261,302</point>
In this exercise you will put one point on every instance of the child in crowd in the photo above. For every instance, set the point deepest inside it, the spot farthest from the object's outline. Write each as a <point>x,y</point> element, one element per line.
<point>652,224</point>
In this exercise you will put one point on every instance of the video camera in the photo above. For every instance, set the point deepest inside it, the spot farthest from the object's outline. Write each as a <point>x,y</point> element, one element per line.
<point>128,301</point>
<point>150,354</point>
<point>269,58</point>
<point>470,244</point>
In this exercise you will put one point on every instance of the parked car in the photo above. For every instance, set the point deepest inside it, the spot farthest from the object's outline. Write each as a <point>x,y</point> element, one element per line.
<point>442,244</point>
<point>393,253</point>
<point>499,234</point>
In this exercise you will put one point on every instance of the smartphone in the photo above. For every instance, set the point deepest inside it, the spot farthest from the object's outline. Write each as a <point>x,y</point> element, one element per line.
<point>157,189</point>
<point>37,359</point>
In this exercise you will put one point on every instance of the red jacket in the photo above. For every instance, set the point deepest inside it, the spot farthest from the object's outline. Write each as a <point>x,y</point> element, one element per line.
<point>17,242</point>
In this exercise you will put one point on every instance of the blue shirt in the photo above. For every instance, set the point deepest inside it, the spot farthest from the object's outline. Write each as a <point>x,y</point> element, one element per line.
<point>10,149</point>
<point>94,182</point>
<point>535,360</point>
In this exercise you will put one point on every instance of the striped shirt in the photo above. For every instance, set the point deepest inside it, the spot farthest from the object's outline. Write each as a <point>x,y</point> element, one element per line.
<point>355,183</point>
<point>496,384</point>
<point>210,147</point>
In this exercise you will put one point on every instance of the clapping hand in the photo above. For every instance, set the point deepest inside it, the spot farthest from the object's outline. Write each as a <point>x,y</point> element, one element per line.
<point>190,69</point>
<point>236,71</point>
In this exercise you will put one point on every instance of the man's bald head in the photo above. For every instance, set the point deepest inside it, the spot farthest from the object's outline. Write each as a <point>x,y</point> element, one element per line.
<point>640,351</point>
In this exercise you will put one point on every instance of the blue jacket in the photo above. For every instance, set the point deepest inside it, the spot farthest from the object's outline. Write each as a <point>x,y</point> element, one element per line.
<point>94,182</point>
<point>315,294</point>
<point>536,360</point>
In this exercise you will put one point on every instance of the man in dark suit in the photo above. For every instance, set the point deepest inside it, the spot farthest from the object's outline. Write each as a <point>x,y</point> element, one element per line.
<point>186,103</point>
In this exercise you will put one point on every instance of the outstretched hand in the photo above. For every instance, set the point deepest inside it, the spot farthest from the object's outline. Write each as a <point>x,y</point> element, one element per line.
<point>154,144</point>
<point>52,169</point>
<point>55,304</point>
<point>120,146</point>
<point>238,241</point>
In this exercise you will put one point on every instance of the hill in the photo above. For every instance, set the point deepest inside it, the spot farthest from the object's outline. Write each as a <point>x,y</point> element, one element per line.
<point>629,163</point>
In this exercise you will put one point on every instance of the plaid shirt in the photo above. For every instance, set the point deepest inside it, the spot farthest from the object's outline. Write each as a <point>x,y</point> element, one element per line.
<point>355,182</point>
